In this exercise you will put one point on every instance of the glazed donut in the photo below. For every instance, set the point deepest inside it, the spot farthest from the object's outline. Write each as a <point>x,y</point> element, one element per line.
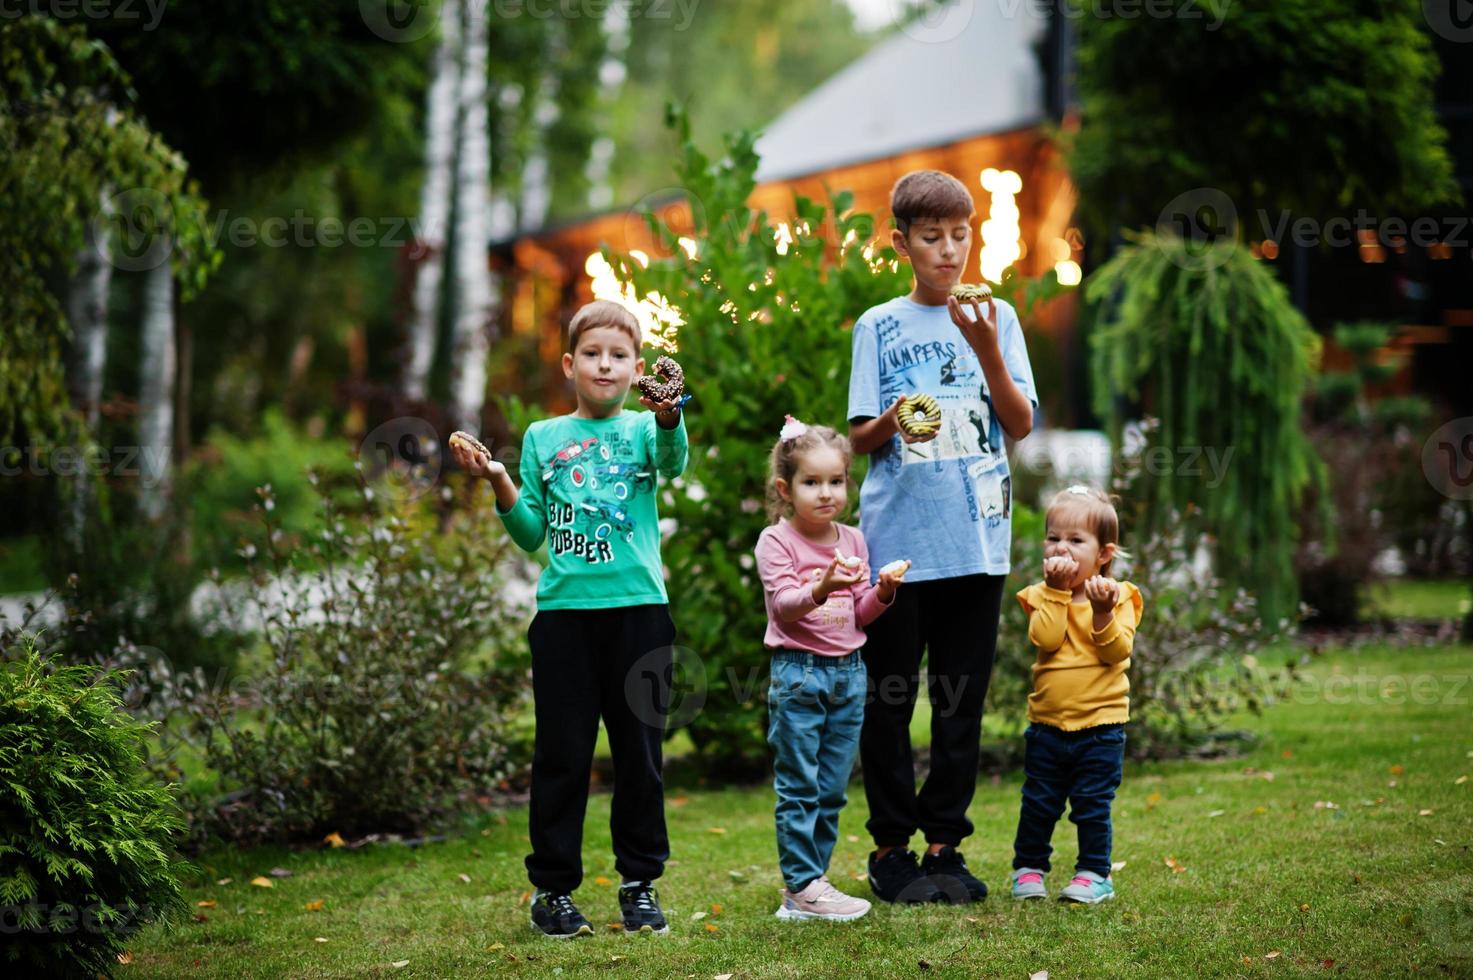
<point>965,292</point>
<point>666,383</point>
<point>919,415</point>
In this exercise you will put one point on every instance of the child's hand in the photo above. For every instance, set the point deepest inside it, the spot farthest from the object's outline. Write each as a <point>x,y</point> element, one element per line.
<point>475,462</point>
<point>1059,572</point>
<point>837,576</point>
<point>981,333</point>
<point>1103,593</point>
<point>890,578</point>
<point>893,416</point>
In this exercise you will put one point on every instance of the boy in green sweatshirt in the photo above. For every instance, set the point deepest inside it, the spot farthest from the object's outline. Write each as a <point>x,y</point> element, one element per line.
<point>588,489</point>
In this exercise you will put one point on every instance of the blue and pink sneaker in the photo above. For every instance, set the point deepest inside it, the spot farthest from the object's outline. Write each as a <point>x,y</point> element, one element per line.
<point>1028,883</point>
<point>1087,888</point>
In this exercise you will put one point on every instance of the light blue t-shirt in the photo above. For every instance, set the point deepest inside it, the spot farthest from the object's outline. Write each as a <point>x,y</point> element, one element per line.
<point>944,504</point>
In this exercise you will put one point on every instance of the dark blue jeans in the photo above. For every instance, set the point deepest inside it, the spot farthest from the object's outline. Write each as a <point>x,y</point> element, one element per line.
<point>1082,768</point>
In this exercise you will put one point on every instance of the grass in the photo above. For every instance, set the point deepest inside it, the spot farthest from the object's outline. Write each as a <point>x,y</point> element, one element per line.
<point>1277,880</point>
<point>1408,598</point>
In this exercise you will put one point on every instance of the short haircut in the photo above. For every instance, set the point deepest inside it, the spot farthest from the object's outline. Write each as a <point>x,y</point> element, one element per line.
<point>929,194</point>
<point>603,313</point>
<point>1096,511</point>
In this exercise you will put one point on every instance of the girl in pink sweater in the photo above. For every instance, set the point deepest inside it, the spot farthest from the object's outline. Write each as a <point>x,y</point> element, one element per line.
<point>820,595</point>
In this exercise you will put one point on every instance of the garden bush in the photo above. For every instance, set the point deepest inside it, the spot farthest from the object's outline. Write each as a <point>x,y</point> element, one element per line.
<point>393,668</point>
<point>87,834</point>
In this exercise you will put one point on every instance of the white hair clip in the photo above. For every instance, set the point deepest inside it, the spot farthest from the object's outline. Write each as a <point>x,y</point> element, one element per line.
<point>792,429</point>
<point>1080,489</point>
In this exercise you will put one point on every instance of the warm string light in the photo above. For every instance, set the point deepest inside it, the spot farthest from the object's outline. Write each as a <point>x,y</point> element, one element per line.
<point>659,321</point>
<point>1002,242</point>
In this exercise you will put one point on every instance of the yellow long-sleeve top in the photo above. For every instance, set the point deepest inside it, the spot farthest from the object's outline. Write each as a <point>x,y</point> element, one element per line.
<point>1079,677</point>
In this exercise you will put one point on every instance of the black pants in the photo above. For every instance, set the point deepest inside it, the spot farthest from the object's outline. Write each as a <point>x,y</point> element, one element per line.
<point>955,621</point>
<point>587,663</point>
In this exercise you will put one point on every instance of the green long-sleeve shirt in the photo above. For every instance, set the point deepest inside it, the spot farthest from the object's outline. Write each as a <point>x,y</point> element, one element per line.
<point>588,488</point>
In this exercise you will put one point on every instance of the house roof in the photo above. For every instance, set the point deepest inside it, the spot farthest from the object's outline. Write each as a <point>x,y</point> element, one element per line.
<point>969,69</point>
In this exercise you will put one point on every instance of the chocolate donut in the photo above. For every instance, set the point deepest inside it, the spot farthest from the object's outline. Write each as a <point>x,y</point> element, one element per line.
<point>666,384</point>
<point>469,441</point>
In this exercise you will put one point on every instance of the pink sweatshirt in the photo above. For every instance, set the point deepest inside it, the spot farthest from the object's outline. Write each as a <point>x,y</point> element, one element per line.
<point>790,566</point>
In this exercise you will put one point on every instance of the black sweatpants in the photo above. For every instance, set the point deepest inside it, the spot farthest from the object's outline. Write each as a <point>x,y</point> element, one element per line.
<point>955,621</point>
<point>587,663</point>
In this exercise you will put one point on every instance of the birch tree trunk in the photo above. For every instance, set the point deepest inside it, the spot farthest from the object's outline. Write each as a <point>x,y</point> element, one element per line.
<point>156,390</point>
<point>475,290</point>
<point>434,204</point>
<point>87,312</point>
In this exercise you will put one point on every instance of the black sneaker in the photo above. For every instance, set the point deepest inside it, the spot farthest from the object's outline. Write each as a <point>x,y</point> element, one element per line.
<point>641,907</point>
<point>556,917</point>
<point>948,871</point>
<point>896,878</point>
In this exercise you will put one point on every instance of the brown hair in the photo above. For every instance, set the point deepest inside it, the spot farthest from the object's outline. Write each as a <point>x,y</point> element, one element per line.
<point>929,194</point>
<point>1097,510</point>
<point>783,464</point>
<point>603,313</point>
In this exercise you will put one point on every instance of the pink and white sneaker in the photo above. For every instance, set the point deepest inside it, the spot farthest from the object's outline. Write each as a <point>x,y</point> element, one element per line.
<point>821,900</point>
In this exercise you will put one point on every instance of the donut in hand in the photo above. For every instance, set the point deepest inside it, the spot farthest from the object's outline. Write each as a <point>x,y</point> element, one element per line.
<point>966,292</point>
<point>919,415</point>
<point>666,383</point>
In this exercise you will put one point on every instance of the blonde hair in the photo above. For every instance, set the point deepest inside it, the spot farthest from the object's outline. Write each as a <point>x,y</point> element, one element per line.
<point>1096,509</point>
<point>603,313</point>
<point>786,454</point>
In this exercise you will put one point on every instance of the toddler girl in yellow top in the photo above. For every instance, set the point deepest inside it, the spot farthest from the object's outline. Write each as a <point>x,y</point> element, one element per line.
<point>1083,623</point>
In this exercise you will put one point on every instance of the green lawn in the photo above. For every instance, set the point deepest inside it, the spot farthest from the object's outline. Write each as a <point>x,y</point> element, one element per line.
<point>1344,836</point>
<point>1410,598</point>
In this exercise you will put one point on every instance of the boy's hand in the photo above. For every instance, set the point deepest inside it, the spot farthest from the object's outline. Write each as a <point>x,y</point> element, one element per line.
<point>667,414</point>
<point>475,462</point>
<point>1059,572</point>
<point>892,416</point>
<point>837,576</point>
<point>1103,593</point>
<point>890,578</point>
<point>981,332</point>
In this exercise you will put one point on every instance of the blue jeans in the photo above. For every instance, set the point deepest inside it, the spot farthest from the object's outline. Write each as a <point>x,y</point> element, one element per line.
<point>816,707</point>
<point>1082,767</point>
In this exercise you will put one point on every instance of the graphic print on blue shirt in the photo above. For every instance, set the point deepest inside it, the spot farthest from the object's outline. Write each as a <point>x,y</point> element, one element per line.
<point>920,500</point>
<point>588,486</point>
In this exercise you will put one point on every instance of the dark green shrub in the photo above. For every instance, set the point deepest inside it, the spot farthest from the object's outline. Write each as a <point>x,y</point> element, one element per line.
<point>86,832</point>
<point>394,664</point>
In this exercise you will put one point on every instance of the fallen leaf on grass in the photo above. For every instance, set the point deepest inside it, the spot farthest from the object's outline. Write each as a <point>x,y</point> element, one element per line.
<point>260,881</point>
<point>737,875</point>
<point>1176,866</point>
<point>464,877</point>
<point>716,908</point>
<point>1152,800</point>
<point>1397,770</point>
<point>679,800</point>
<point>1273,955</point>
<point>125,957</point>
<point>208,903</point>
<point>1439,840</point>
<point>861,876</point>
<point>715,830</point>
<point>1216,813</point>
<point>201,917</point>
<point>526,897</point>
<point>1117,865</point>
<point>1288,753</point>
<point>1327,964</point>
<point>495,946</point>
<point>1326,805</point>
<point>224,881</point>
<point>279,873</point>
<point>854,839</point>
<point>1424,813</point>
<point>1260,810</point>
<point>334,839</point>
<point>1304,907</point>
<point>399,964</point>
<point>1040,975</point>
<point>712,927</point>
<point>697,916</point>
<point>314,906</point>
<point>1268,777</point>
<point>1460,780</point>
<point>319,939</point>
<point>722,976</point>
<point>615,926</point>
<point>615,959</point>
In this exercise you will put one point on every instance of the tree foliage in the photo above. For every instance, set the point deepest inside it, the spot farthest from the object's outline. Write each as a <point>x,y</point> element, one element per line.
<point>1212,347</point>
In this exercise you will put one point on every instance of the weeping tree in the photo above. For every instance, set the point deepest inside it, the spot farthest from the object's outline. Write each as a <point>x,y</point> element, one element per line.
<point>1209,343</point>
